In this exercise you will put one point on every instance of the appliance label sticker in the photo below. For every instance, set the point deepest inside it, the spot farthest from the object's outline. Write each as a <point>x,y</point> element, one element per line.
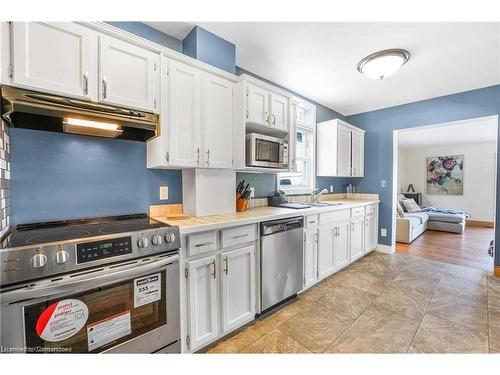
<point>147,289</point>
<point>62,320</point>
<point>108,330</point>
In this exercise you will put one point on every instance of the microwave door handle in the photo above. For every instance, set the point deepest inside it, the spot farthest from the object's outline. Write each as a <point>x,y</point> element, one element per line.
<point>83,282</point>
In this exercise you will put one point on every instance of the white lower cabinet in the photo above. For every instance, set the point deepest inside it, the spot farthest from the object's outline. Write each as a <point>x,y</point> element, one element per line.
<point>326,236</point>
<point>237,287</point>
<point>310,257</point>
<point>341,251</point>
<point>220,294</point>
<point>371,233</point>
<point>357,238</point>
<point>202,301</point>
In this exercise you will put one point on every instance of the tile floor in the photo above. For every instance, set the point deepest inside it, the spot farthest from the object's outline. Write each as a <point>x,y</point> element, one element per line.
<point>382,304</point>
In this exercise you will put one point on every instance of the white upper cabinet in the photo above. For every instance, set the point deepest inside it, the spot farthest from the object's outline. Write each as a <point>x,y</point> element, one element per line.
<point>257,106</point>
<point>217,121</point>
<point>128,74</point>
<point>358,154</point>
<point>280,107</point>
<point>266,111</point>
<point>340,149</point>
<point>57,57</point>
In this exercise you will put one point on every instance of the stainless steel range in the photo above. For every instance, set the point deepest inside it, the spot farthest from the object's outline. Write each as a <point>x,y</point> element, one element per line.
<point>96,285</point>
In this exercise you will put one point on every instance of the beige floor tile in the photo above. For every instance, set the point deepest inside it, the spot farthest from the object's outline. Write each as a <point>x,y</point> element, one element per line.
<point>427,268</point>
<point>377,330</point>
<point>317,327</point>
<point>405,302</point>
<point>234,343</point>
<point>314,293</point>
<point>472,290</point>
<point>413,350</point>
<point>494,329</point>
<point>436,335</point>
<point>273,343</point>
<point>465,273</point>
<point>417,283</point>
<point>348,301</point>
<point>266,324</point>
<point>368,281</point>
<point>379,267</point>
<point>459,310</point>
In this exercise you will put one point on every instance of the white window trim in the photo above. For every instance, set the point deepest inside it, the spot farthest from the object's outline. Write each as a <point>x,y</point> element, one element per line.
<point>301,190</point>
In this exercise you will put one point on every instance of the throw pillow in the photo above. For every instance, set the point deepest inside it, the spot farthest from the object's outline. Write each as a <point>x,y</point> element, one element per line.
<point>411,206</point>
<point>399,209</point>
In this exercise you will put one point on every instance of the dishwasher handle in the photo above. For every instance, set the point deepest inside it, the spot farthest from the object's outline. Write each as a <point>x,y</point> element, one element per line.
<point>268,228</point>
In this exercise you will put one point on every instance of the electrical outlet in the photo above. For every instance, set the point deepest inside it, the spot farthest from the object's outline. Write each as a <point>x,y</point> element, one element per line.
<point>383,232</point>
<point>163,192</point>
<point>331,188</point>
<point>383,183</point>
<point>252,192</point>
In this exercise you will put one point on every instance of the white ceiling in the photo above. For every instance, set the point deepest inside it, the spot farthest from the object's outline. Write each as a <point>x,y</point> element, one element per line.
<point>459,132</point>
<point>318,60</point>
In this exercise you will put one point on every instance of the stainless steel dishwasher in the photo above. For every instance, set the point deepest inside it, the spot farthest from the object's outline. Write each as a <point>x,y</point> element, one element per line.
<point>281,260</point>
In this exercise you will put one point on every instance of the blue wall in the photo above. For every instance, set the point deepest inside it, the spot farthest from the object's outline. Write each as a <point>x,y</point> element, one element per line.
<point>207,47</point>
<point>380,125</point>
<point>61,176</point>
<point>147,32</point>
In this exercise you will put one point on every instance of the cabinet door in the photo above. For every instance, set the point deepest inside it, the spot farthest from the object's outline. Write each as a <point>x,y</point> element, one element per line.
<point>59,57</point>
<point>358,154</point>
<point>357,238</point>
<point>238,287</point>
<point>371,233</point>
<point>280,106</point>
<point>343,151</point>
<point>257,103</point>
<point>128,74</point>
<point>341,254</point>
<point>217,121</point>
<point>202,301</point>
<point>310,257</point>
<point>325,251</point>
<point>183,111</point>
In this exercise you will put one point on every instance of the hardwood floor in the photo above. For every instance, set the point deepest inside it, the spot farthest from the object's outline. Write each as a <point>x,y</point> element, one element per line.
<point>466,249</point>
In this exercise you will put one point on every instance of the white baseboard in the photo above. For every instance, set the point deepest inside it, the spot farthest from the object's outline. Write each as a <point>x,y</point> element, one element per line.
<point>385,249</point>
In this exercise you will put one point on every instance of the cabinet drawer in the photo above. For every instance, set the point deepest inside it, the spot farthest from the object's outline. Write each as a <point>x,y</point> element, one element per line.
<point>358,211</point>
<point>370,210</point>
<point>199,243</point>
<point>239,235</point>
<point>311,221</point>
<point>330,217</point>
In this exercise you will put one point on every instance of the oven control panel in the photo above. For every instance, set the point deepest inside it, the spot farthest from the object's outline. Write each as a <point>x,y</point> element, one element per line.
<point>90,251</point>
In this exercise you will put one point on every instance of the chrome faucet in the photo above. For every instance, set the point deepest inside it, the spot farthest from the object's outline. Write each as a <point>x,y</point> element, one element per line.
<point>315,195</point>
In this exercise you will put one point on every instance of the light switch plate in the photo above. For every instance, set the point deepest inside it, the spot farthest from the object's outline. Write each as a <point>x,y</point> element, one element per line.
<point>383,183</point>
<point>163,192</point>
<point>252,192</point>
<point>331,188</point>
<point>383,232</point>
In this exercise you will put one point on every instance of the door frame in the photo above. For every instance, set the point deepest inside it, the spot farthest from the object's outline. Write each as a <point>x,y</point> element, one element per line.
<point>395,143</point>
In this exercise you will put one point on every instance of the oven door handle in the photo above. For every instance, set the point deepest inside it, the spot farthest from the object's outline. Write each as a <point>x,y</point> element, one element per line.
<point>82,282</point>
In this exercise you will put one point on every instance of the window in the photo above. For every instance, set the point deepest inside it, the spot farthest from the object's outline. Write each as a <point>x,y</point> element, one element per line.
<point>302,180</point>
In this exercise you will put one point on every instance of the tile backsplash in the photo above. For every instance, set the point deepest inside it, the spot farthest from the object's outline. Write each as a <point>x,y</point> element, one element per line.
<point>4,179</point>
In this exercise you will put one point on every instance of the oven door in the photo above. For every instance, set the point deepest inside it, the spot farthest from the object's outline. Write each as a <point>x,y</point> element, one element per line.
<point>131,307</point>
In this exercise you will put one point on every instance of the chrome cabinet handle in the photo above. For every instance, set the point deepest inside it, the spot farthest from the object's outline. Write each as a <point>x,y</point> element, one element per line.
<point>240,236</point>
<point>104,88</point>
<point>85,83</point>
<point>266,116</point>
<point>198,153</point>
<point>215,269</point>
<point>274,119</point>
<point>226,270</point>
<point>352,227</point>
<point>203,244</point>
<point>208,157</point>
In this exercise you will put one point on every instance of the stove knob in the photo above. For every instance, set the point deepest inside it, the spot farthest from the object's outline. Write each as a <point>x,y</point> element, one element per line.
<point>170,237</point>
<point>62,256</point>
<point>143,242</point>
<point>38,260</point>
<point>156,240</point>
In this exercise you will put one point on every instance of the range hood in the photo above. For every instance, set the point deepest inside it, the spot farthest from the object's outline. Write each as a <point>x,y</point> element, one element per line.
<point>34,110</point>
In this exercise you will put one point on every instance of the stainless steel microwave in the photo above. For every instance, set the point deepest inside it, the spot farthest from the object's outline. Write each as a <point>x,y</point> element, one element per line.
<point>266,152</point>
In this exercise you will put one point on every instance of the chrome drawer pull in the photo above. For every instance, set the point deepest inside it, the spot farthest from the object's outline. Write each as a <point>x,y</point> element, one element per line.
<point>203,244</point>
<point>240,236</point>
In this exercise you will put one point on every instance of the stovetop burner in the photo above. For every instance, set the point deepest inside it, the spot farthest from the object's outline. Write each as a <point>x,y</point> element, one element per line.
<point>54,231</point>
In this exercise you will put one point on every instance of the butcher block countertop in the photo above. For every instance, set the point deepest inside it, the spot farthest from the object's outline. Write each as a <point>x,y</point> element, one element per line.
<point>193,224</point>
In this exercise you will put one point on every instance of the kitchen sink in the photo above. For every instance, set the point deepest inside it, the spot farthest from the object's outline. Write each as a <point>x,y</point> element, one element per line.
<point>323,204</point>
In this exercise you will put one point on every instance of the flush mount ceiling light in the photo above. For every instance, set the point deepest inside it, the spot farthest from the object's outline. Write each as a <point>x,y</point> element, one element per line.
<point>382,64</point>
